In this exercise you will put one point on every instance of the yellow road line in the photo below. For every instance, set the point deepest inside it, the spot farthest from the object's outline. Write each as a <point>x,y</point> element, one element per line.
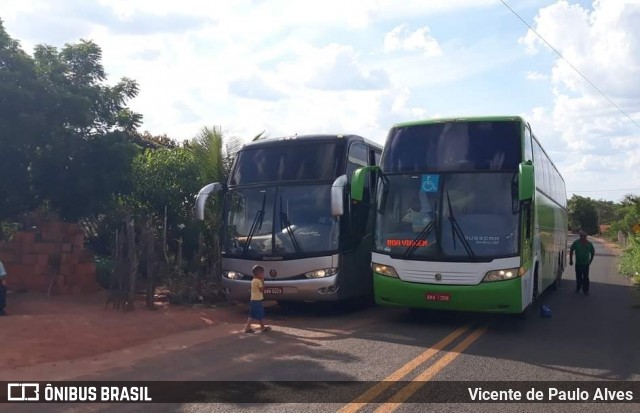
<point>406,392</point>
<point>368,396</point>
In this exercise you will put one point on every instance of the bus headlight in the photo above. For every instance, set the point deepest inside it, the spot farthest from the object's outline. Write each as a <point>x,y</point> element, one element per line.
<point>385,270</point>
<point>325,272</point>
<point>233,275</point>
<point>501,275</point>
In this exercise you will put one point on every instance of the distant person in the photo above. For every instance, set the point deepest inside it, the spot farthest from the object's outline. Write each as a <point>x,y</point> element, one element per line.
<point>256,309</point>
<point>3,290</point>
<point>584,257</point>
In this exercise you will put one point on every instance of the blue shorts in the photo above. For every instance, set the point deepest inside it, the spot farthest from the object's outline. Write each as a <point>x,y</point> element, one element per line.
<point>256,310</point>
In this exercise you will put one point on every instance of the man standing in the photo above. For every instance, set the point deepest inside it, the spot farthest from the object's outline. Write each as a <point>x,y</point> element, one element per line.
<point>584,256</point>
<point>3,290</point>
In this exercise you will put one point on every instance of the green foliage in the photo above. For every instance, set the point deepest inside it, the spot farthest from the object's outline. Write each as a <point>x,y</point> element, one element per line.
<point>630,260</point>
<point>64,132</point>
<point>191,288</point>
<point>629,214</point>
<point>166,177</point>
<point>583,214</point>
<point>22,125</point>
<point>80,178</point>
<point>104,269</point>
<point>608,211</point>
<point>7,230</point>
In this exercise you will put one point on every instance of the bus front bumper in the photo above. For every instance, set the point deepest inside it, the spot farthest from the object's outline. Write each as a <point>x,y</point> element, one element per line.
<point>493,297</point>
<point>314,289</point>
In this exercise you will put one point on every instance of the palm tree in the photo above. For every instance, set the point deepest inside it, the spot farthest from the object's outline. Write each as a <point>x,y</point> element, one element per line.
<point>214,155</point>
<point>206,149</point>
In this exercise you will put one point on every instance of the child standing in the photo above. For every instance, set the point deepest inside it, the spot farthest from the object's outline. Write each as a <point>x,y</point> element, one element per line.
<point>256,310</point>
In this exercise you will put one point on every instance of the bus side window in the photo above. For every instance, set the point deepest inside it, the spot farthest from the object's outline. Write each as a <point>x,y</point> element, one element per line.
<point>376,158</point>
<point>528,149</point>
<point>358,157</point>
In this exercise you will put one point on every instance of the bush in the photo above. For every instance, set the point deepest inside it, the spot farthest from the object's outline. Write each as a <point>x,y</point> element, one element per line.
<point>630,260</point>
<point>192,288</point>
<point>104,269</point>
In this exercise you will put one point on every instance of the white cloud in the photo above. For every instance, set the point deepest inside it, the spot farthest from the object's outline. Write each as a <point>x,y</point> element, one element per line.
<point>535,76</point>
<point>419,40</point>
<point>254,88</point>
<point>337,68</point>
<point>603,44</point>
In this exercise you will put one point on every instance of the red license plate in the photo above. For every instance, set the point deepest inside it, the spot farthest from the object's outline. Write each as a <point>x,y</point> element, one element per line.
<point>273,290</point>
<point>438,297</point>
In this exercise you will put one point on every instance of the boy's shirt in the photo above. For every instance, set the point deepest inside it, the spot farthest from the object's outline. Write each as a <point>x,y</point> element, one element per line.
<point>256,294</point>
<point>584,251</point>
<point>3,272</point>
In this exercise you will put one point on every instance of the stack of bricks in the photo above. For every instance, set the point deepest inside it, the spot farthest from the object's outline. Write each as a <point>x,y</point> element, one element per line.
<point>33,258</point>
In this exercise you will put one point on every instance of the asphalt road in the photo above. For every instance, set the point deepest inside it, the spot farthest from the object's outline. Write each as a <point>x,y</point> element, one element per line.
<point>587,338</point>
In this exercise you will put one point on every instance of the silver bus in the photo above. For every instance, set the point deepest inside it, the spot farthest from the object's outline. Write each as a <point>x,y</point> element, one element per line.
<point>287,207</point>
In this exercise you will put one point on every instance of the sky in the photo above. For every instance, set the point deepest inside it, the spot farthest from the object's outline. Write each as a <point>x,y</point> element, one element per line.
<point>358,67</point>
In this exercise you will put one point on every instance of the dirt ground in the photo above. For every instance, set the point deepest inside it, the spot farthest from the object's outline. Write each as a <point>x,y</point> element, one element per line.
<point>40,330</point>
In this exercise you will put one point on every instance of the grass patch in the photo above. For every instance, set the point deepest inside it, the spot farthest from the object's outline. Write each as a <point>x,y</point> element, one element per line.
<point>630,261</point>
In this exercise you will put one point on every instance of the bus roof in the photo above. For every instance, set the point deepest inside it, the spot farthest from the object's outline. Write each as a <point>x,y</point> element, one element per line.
<point>460,119</point>
<point>307,138</point>
<point>475,119</point>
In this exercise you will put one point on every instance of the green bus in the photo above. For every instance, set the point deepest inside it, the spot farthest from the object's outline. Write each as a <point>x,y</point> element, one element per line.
<point>470,216</point>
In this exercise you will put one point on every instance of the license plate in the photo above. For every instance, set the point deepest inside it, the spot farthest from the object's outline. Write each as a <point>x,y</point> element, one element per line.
<point>273,290</point>
<point>437,297</point>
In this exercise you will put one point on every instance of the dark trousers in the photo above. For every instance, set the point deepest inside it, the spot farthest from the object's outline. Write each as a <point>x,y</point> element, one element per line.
<point>582,277</point>
<point>3,297</point>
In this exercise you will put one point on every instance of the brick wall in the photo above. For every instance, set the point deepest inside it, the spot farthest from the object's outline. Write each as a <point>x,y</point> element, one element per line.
<point>32,257</point>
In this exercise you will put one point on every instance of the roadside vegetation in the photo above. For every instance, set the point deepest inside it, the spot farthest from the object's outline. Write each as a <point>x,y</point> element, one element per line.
<point>72,150</point>
<point>618,222</point>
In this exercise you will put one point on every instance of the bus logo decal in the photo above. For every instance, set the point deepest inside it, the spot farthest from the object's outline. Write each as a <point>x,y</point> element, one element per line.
<point>430,183</point>
<point>438,276</point>
<point>273,273</point>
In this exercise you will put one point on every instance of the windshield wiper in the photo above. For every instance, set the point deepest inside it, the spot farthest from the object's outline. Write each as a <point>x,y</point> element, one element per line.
<point>424,233</point>
<point>285,224</point>
<point>457,231</point>
<point>256,225</point>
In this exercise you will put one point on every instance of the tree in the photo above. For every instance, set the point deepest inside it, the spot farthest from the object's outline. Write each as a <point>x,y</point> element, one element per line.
<point>629,214</point>
<point>23,126</point>
<point>65,133</point>
<point>608,211</point>
<point>583,214</point>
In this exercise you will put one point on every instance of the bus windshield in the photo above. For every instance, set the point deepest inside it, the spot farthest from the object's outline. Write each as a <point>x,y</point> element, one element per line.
<point>448,217</point>
<point>295,220</point>
<point>299,161</point>
<point>454,146</point>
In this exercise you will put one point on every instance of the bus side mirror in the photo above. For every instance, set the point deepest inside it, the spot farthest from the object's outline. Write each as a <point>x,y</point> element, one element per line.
<point>201,198</point>
<point>358,181</point>
<point>526,184</point>
<point>337,196</point>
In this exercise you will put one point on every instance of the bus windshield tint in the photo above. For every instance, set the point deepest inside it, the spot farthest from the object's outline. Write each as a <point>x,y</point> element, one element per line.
<point>453,146</point>
<point>299,161</point>
<point>469,216</point>
<point>287,220</point>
